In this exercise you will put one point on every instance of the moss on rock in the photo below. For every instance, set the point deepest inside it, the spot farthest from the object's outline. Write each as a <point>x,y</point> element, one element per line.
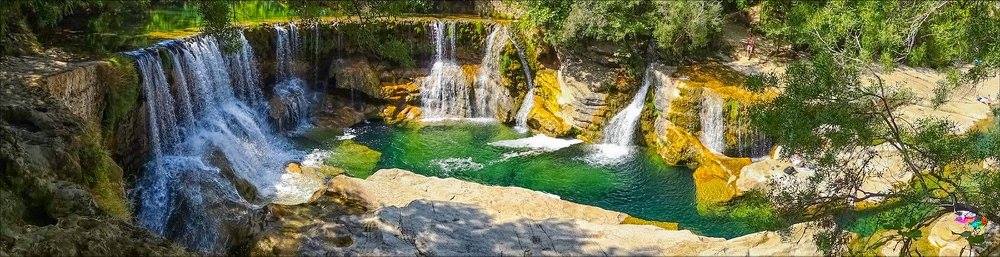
<point>121,79</point>
<point>545,115</point>
<point>661,224</point>
<point>356,159</point>
<point>103,177</point>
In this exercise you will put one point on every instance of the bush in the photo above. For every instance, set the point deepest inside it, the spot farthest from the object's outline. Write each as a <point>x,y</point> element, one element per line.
<point>677,27</point>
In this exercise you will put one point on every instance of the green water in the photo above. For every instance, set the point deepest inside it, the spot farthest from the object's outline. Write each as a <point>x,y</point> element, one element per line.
<point>640,184</point>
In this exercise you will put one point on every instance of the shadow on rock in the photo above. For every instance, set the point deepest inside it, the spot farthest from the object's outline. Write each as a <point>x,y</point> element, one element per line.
<point>344,220</point>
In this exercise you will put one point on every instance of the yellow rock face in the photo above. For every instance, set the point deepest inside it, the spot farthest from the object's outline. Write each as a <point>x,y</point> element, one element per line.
<point>545,113</point>
<point>293,168</point>
<point>676,142</point>
<point>400,97</point>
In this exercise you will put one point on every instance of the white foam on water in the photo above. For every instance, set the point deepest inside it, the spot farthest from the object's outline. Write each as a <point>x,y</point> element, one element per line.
<point>296,188</point>
<point>539,142</point>
<point>605,154</point>
<point>316,158</point>
<point>450,165</point>
<point>348,134</point>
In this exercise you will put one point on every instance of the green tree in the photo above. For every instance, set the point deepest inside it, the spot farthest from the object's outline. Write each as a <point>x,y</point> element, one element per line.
<point>677,27</point>
<point>918,33</point>
<point>834,113</point>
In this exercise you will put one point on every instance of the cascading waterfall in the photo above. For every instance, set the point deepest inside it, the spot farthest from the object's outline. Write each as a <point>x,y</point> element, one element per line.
<point>488,91</point>
<point>291,90</point>
<point>621,130</point>
<point>521,120</point>
<point>444,93</point>
<point>712,125</point>
<point>207,128</point>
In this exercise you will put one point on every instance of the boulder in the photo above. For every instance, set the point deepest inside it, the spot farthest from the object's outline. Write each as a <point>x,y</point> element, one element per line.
<point>356,74</point>
<point>942,237</point>
<point>884,172</point>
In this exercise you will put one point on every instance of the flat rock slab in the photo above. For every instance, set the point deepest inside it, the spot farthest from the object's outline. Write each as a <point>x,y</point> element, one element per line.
<point>411,214</point>
<point>397,188</point>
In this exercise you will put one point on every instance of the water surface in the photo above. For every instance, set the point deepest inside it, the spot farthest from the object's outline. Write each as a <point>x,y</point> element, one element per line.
<point>638,183</point>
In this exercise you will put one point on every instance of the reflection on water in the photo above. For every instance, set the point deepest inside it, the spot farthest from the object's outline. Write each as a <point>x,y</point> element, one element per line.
<point>636,182</point>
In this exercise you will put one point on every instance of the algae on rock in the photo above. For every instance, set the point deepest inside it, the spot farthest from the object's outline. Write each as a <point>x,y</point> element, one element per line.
<point>356,159</point>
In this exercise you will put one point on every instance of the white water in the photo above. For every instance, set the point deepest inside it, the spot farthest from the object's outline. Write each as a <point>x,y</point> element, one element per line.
<point>210,119</point>
<point>712,125</point>
<point>537,142</point>
<point>489,94</point>
<point>444,93</point>
<point>621,130</point>
<point>291,89</point>
<point>521,120</point>
<point>619,135</point>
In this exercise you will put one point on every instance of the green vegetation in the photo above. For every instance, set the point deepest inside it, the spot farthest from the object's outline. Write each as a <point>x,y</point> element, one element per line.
<point>827,112</point>
<point>678,27</point>
<point>356,159</point>
<point>919,33</point>
<point>121,79</point>
<point>754,210</point>
<point>103,177</point>
<point>899,216</point>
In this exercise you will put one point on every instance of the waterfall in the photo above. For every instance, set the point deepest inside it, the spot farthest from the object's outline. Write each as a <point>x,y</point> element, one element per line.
<point>621,130</point>
<point>444,93</point>
<point>712,125</point>
<point>207,129</point>
<point>521,119</point>
<point>291,90</point>
<point>488,91</point>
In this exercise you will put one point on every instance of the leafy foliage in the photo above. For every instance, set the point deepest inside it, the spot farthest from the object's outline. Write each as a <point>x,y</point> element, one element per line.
<point>677,27</point>
<point>919,33</point>
<point>833,118</point>
<point>24,20</point>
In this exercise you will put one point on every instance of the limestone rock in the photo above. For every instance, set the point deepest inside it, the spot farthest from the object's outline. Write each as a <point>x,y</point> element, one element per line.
<point>80,89</point>
<point>546,115</point>
<point>946,236</point>
<point>963,106</point>
<point>799,241</point>
<point>883,166</point>
<point>398,188</point>
<point>356,74</point>
<point>396,212</point>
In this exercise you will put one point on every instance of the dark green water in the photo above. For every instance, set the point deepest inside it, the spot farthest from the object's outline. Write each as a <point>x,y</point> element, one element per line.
<point>639,184</point>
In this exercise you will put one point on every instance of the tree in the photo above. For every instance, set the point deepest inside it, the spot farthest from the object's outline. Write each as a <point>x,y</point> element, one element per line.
<point>835,113</point>
<point>677,27</point>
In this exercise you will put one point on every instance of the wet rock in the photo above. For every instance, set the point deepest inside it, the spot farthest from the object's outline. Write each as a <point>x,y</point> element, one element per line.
<point>546,115</point>
<point>341,111</point>
<point>68,194</point>
<point>583,93</point>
